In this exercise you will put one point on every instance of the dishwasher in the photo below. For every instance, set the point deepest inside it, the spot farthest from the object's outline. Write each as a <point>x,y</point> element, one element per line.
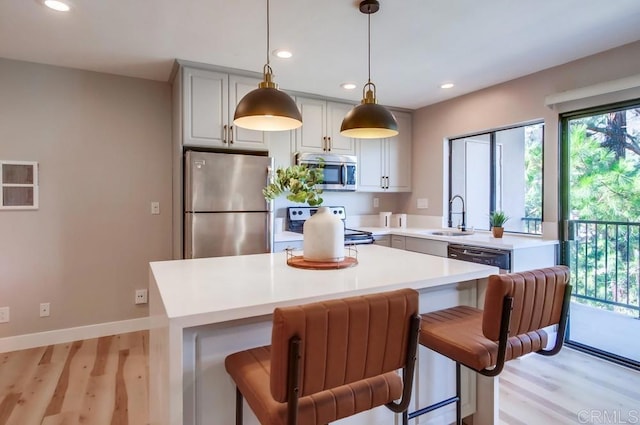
<point>499,258</point>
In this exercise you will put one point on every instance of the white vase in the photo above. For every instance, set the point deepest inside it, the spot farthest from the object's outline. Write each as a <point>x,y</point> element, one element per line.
<point>323,237</point>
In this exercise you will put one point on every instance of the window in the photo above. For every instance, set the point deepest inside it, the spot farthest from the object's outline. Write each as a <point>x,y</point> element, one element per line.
<point>499,170</point>
<point>19,184</point>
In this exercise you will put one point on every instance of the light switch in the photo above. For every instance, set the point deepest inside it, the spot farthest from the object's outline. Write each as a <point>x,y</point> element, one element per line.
<point>155,208</point>
<point>423,203</point>
<point>376,202</point>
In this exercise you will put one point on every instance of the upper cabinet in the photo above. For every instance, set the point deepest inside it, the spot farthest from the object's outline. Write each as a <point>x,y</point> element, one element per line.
<point>320,131</point>
<point>209,100</point>
<point>384,165</point>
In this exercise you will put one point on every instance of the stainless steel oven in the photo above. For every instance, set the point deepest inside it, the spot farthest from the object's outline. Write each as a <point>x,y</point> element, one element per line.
<point>339,171</point>
<point>296,216</point>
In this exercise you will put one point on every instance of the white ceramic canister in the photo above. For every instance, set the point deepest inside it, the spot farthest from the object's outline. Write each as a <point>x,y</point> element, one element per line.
<point>323,237</point>
<point>399,220</point>
<point>385,219</point>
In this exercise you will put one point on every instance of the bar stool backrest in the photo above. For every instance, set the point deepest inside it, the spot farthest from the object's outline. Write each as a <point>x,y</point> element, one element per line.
<point>342,341</point>
<point>538,298</point>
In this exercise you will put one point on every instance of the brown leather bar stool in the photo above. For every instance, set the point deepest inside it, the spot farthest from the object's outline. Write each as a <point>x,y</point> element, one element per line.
<point>330,360</point>
<point>516,309</point>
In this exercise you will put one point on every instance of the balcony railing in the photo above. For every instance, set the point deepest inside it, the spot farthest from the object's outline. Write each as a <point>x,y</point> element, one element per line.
<point>531,225</point>
<point>604,257</point>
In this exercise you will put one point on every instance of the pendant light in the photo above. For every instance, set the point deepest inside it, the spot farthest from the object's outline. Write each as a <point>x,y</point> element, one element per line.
<point>369,120</point>
<point>267,108</point>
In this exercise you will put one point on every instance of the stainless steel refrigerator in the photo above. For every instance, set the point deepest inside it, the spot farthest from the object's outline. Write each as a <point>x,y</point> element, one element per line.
<point>225,211</point>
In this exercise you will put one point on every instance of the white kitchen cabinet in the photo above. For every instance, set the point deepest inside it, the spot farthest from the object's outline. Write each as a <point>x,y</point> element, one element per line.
<point>383,240</point>
<point>398,242</point>
<point>209,100</point>
<point>426,246</point>
<point>384,165</point>
<point>320,131</point>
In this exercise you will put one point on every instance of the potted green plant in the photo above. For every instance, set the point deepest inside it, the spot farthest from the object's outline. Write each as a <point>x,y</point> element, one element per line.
<point>497,220</point>
<point>298,181</point>
<point>323,233</point>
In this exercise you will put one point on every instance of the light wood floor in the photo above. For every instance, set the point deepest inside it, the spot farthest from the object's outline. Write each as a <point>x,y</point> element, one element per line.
<point>101,381</point>
<point>105,381</point>
<point>569,388</point>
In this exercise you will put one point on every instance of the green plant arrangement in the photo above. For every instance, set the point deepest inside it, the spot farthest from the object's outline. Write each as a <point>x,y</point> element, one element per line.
<point>299,181</point>
<point>498,218</point>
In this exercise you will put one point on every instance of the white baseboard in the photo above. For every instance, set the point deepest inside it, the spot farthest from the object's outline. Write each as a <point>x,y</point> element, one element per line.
<point>61,336</point>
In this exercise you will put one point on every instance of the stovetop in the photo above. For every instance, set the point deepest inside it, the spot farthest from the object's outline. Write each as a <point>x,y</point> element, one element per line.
<point>296,216</point>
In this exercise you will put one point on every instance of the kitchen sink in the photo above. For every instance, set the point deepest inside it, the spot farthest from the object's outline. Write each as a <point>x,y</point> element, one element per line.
<point>452,233</point>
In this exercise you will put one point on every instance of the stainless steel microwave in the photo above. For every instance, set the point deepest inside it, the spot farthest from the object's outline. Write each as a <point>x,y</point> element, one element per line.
<point>339,171</point>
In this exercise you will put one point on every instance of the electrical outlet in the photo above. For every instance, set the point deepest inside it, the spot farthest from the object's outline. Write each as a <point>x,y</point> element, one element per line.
<point>141,296</point>
<point>4,314</point>
<point>376,202</point>
<point>45,309</point>
<point>155,208</point>
<point>423,203</point>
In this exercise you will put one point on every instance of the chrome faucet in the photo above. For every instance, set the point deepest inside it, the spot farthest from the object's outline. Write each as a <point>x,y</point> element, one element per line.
<point>462,226</point>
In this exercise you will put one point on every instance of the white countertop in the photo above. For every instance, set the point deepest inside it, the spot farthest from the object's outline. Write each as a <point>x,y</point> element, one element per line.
<point>479,238</point>
<point>212,290</point>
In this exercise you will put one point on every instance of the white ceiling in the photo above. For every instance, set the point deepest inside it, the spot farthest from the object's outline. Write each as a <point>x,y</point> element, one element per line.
<point>416,44</point>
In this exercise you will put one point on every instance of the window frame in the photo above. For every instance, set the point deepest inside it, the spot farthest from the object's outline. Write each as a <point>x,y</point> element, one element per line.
<point>493,169</point>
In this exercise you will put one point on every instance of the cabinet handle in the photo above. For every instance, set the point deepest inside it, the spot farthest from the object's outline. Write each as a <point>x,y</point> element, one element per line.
<point>231,135</point>
<point>324,143</point>
<point>329,144</point>
<point>382,182</point>
<point>386,182</point>
<point>224,135</point>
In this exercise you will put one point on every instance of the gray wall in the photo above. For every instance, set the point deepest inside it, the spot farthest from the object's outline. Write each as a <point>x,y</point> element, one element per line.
<point>103,143</point>
<point>516,101</point>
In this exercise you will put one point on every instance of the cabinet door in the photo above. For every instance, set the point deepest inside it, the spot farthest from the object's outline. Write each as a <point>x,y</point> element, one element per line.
<point>311,137</point>
<point>337,143</point>
<point>398,153</point>
<point>370,165</point>
<point>398,242</point>
<point>241,137</point>
<point>427,246</point>
<point>205,100</point>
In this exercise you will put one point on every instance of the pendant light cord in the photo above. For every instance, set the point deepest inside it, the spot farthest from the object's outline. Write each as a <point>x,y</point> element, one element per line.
<point>369,42</point>
<point>267,32</point>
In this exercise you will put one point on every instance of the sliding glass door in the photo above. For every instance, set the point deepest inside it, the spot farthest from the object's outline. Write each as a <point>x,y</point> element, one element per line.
<point>600,203</point>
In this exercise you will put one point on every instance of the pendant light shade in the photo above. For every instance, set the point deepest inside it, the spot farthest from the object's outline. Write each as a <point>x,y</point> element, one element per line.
<point>369,120</point>
<point>267,108</point>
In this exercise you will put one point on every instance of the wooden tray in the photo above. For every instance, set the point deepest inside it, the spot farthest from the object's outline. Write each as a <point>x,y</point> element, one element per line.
<point>299,262</point>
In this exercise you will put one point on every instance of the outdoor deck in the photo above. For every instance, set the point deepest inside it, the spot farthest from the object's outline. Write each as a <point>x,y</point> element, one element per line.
<point>605,330</point>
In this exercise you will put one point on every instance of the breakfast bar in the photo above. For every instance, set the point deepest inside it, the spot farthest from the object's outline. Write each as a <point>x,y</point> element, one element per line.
<point>204,309</point>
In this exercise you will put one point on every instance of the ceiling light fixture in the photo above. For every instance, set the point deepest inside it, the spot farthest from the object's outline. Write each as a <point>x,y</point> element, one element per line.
<point>57,5</point>
<point>283,54</point>
<point>369,120</point>
<point>447,86</point>
<point>348,86</point>
<point>267,108</point>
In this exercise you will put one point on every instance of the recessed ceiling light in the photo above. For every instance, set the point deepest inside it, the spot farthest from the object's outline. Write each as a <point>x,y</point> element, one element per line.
<point>57,5</point>
<point>283,54</point>
<point>348,86</point>
<point>446,86</point>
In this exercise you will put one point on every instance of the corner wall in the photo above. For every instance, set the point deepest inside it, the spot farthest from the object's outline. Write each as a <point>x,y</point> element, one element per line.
<point>517,101</point>
<point>103,144</point>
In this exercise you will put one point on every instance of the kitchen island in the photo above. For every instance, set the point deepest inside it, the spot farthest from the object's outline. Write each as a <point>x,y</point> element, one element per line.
<point>204,309</point>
